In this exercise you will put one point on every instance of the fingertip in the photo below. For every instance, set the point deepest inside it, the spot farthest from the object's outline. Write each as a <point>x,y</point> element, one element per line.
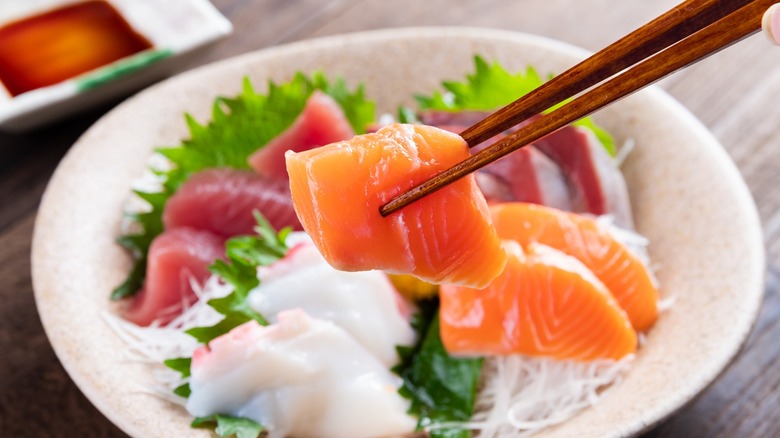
<point>771,24</point>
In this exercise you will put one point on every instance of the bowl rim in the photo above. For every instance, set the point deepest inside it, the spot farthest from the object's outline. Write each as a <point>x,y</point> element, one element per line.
<point>650,418</point>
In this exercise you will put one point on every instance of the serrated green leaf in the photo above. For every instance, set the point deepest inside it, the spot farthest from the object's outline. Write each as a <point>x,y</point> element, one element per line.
<point>205,335</point>
<point>245,254</point>
<point>240,125</point>
<point>420,322</point>
<point>442,389</point>
<point>179,364</point>
<point>491,87</point>
<point>133,282</point>
<point>156,200</point>
<point>183,390</point>
<point>226,426</point>
<point>407,115</point>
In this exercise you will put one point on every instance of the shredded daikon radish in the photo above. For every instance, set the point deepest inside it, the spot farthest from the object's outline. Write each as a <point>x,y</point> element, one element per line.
<point>520,395</point>
<point>634,241</point>
<point>624,151</point>
<point>154,344</point>
<point>149,182</point>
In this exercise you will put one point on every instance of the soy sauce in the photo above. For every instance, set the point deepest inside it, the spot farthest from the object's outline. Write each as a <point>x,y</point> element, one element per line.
<point>60,44</point>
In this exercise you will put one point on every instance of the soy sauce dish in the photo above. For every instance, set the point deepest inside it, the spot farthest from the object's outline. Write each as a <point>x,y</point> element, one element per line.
<point>94,50</point>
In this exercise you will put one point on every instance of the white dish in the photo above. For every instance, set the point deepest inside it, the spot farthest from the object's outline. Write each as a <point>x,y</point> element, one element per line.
<point>687,196</point>
<point>177,29</point>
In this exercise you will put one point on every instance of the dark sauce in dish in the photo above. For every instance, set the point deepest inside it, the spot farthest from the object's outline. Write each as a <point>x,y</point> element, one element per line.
<point>60,44</point>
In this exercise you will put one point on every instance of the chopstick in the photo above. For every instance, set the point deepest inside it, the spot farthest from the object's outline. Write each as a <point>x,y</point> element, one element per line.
<point>721,33</point>
<point>679,22</point>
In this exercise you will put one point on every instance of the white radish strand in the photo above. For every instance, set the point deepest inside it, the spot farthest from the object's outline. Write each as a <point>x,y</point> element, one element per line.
<point>520,395</point>
<point>154,344</point>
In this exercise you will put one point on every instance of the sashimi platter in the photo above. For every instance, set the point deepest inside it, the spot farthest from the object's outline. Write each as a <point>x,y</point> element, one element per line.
<point>210,260</point>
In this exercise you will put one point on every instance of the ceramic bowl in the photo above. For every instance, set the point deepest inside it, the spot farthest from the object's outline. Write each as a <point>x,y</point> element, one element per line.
<point>687,197</point>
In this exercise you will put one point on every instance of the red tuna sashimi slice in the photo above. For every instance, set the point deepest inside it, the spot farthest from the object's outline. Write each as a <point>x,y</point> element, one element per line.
<point>321,122</point>
<point>597,184</point>
<point>222,201</point>
<point>525,175</point>
<point>440,118</point>
<point>176,258</point>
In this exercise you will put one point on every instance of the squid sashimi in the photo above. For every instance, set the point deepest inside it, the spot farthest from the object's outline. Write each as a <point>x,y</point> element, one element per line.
<point>365,304</point>
<point>301,377</point>
<point>619,269</point>
<point>176,258</point>
<point>321,122</point>
<point>598,186</point>
<point>447,237</point>
<point>223,200</point>
<point>545,303</point>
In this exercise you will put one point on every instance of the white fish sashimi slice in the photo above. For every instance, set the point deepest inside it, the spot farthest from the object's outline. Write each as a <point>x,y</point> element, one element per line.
<point>365,304</point>
<point>300,377</point>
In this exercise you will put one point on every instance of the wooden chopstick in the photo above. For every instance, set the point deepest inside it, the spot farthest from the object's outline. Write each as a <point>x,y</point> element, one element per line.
<point>679,22</point>
<point>714,37</point>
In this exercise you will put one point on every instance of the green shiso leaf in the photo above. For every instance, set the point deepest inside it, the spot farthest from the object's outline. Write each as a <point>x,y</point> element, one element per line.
<point>407,115</point>
<point>226,426</point>
<point>244,254</point>
<point>490,87</point>
<point>182,390</point>
<point>420,322</point>
<point>442,388</point>
<point>239,126</point>
<point>180,364</point>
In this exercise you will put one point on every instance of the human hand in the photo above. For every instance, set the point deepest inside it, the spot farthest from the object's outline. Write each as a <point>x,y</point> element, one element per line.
<point>771,23</point>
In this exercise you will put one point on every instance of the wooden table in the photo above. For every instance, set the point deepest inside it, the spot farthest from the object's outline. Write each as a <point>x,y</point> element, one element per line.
<point>735,93</point>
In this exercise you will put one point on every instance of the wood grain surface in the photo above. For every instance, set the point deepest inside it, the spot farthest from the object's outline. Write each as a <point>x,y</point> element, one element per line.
<point>734,93</point>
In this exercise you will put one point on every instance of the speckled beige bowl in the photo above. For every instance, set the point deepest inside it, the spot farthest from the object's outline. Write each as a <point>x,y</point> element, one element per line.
<point>687,196</point>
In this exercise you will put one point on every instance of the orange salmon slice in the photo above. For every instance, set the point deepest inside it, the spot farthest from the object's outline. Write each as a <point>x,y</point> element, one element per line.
<point>619,269</point>
<point>447,237</point>
<point>545,303</point>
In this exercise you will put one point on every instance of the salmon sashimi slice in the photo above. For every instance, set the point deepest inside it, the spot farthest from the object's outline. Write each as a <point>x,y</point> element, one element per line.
<point>447,237</point>
<point>223,200</point>
<point>617,267</point>
<point>177,257</point>
<point>545,303</point>
<point>321,122</point>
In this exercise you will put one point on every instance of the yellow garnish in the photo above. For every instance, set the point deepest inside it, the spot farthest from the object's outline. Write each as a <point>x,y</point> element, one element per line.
<point>412,288</point>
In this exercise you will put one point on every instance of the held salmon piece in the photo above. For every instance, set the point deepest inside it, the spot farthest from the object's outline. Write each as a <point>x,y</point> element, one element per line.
<point>445,238</point>
<point>321,122</point>
<point>545,303</point>
<point>583,238</point>
<point>223,200</point>
<point>176,258</point>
